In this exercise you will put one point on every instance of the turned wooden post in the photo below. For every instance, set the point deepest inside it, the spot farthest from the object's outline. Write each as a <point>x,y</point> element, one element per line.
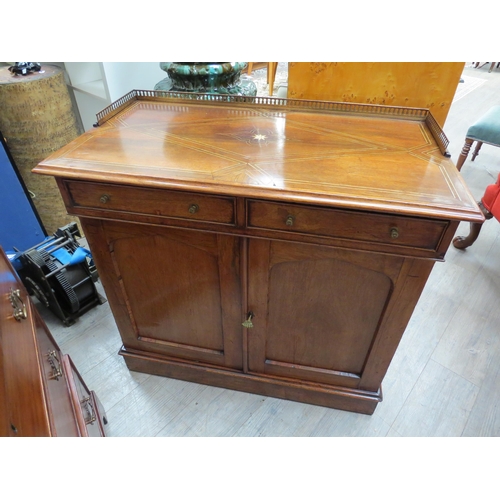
<point>464,153</point>
<point>476,150</point>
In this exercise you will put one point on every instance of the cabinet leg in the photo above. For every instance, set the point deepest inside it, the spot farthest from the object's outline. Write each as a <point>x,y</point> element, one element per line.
<point>462,242</point>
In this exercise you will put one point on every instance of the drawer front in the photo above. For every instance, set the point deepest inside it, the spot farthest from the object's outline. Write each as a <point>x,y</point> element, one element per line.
<point>86,408</point>
<point>58,395</point>
<point>153,202</point>
<point>345,224</point>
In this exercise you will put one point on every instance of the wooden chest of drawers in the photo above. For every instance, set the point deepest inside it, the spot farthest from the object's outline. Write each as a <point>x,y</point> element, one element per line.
<point>263,245</point>
<point>41,392</point>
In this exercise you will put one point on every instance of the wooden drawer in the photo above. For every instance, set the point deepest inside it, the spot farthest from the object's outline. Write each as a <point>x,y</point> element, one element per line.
<point>152,202</point>
<point>59,404</point>
<point>345,224</point>
<point>88,410</point>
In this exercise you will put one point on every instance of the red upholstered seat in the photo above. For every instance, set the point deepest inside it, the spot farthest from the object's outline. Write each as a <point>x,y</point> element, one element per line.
<point>491,198</point>
<point>490,206</point>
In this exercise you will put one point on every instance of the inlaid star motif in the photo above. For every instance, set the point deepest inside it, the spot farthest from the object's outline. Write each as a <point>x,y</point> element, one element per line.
<point>259,137</point>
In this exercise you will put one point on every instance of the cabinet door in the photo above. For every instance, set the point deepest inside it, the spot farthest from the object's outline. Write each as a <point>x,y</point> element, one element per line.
<point>317,311</point>
<point>174,292</point>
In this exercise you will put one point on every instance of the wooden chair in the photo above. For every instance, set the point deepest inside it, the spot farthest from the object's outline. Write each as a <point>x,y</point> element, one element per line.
<point>491,67</point>
<point>271,72</point>
<point>485,130</point>
<point>490,206</point>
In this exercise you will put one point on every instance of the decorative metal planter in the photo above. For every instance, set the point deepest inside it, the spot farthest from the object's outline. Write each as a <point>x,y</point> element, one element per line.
<point>210,78</point>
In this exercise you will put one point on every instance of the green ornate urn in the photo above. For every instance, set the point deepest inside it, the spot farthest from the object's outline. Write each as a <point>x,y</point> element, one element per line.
<point>207,78</point>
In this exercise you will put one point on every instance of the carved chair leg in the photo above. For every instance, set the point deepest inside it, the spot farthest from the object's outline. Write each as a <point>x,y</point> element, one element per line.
<point>464,153</point>
<point>476,150</point>
<point>462,242</point>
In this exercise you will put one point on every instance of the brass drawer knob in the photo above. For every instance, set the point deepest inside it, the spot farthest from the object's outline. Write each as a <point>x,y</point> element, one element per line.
<point>193,208</point>
<point>394,233</point>
<point>289,220</point>
<point>104,198</point>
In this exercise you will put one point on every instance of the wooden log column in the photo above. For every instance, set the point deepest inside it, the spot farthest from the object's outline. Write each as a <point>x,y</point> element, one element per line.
<point>36,119</point>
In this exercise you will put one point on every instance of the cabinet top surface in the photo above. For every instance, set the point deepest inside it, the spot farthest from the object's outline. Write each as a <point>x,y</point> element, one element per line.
<point>357,156</point>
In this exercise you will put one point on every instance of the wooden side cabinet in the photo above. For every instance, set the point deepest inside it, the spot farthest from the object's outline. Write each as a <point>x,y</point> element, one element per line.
<point>267,246</point>
<point>41,392</point>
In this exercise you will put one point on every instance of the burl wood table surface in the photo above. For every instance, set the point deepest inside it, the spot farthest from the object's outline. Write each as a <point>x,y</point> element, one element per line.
<point>264,245</point>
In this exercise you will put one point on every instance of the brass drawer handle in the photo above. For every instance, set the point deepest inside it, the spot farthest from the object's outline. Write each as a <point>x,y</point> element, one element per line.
<point>394,233</point>
<point>55,365</point>
<point>193,208</point>
<point>289,220</point>
<point>89,407</point>
<point>20,311</point>
<point>104,198</point>
<point>248,322</point>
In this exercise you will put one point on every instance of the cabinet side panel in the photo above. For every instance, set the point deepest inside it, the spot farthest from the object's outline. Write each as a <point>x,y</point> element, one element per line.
<point>407,291</point>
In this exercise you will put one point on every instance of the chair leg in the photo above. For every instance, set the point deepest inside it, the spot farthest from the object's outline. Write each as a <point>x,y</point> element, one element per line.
<point>462,242</point>
<point>476,150</point>
<point>464,153</point>
<point>271,75</point>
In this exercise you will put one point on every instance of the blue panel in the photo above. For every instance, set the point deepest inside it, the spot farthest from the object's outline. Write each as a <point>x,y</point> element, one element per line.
<point>20,226</point>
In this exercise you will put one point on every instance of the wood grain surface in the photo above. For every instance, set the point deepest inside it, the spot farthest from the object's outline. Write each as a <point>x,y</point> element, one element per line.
<point>363,159</point>
<point>271,247</point>
<point>429,85</point>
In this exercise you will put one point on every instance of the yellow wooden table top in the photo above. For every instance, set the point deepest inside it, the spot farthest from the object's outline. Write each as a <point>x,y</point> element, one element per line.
<point>371,157</point>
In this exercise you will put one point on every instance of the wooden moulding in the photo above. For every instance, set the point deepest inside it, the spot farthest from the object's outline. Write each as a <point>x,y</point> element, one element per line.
<point>340,398</point>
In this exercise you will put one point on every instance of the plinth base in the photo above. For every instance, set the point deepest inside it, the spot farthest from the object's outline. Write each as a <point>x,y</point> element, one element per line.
<point>294,390</point>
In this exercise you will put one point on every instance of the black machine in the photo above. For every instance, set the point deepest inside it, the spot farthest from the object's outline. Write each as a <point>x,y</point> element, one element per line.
<point>60,274</point>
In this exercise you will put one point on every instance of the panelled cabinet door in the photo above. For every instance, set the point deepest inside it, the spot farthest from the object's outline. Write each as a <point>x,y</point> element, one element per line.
<point>173,292</point>
<point>317,310</point>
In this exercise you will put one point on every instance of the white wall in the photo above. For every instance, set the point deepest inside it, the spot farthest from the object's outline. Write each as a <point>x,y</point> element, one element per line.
<point>122,77</point>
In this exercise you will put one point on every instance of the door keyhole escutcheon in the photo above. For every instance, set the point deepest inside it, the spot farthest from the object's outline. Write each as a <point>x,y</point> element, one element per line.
<point>248,322</point>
